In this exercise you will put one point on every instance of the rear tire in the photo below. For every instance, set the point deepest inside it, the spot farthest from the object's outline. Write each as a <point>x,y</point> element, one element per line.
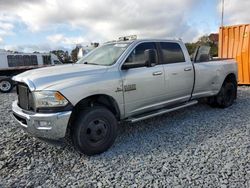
<point>94,130</point>
<point>6,85</point>
<point>225,97</point>
<point>211,101</point>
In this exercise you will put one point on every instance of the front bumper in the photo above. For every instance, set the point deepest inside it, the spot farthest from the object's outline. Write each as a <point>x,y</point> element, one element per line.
<point>51,126</point>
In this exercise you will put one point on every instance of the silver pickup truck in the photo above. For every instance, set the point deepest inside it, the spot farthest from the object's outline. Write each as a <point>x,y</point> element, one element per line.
<point>129,80</point>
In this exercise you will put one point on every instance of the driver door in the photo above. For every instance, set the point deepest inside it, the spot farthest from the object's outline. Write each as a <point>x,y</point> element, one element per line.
<point>143,86</point>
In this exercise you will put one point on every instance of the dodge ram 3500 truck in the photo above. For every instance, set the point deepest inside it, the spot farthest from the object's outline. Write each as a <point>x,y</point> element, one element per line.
<point>128,80</point>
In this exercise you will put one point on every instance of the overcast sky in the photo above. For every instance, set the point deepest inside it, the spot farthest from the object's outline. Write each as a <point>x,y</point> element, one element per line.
<point>43,25</point>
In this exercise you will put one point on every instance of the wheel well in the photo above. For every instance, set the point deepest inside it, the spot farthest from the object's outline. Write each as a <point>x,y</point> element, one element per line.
<point>98,100</point>
<point>94,100</point>
<point>231,78</point>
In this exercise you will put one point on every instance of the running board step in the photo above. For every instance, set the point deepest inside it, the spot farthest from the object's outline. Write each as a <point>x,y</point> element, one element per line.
<point>160,112</point>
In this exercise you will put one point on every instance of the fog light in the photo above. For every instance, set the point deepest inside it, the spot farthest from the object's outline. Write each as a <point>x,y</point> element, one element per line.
<point>43,125</point>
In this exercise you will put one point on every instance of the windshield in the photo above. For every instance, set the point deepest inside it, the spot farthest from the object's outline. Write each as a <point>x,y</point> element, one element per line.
<point>105,55</point>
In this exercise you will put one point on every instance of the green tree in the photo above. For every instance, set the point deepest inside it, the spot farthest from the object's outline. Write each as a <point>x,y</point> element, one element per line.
<point>203,40</point>
<point>191,47</point>
<point>63,56</point>
<point>74,53</point>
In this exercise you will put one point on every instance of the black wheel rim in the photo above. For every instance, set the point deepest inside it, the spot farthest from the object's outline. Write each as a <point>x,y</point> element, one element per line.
<point>97,131</point>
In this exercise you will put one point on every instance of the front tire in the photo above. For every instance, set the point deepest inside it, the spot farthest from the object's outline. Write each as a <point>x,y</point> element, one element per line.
<point>94,130</point>
<point>6,85</point>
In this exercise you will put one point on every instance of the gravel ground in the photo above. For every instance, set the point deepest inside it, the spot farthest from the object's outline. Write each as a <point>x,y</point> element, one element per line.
<point>194,147</point>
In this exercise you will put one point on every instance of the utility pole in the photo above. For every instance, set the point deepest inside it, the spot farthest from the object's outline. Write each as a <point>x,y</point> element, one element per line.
<point>222,13</point>
<point>221,30</point>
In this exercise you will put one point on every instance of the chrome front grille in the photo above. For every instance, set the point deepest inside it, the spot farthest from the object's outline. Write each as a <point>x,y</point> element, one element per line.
<point>25,99</point>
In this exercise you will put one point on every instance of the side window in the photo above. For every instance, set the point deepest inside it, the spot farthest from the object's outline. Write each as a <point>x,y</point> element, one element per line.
<point>46,59</point>
<point>56,62</point>
<point>11,60</point>
<point>26,60</point>
<point>172,53</point>
<point>33,59</point>
<point>137,55</point>
<point>21,60</point>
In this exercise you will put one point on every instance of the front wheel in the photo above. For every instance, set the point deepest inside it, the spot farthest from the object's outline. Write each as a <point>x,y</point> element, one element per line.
<point>94,130</point>
<point>6,85</point>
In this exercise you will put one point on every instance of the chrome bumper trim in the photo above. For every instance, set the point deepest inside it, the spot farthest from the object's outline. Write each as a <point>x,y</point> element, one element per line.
<point>56,123</point>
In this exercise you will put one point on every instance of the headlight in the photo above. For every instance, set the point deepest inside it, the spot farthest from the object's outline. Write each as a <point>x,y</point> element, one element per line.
<point>45,99</point>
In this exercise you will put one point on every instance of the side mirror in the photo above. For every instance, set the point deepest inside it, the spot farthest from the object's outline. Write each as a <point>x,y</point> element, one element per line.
<point>151,58</point>
<point>127,66</point>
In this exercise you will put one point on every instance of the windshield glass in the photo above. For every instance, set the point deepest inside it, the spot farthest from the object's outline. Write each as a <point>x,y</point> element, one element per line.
<point>105,55</point>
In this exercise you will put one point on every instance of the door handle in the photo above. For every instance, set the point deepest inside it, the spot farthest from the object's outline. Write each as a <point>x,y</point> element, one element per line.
<point>188,69</point>
<point>157,73</point>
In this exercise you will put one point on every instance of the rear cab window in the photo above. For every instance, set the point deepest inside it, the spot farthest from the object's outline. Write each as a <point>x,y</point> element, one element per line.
<point>171,53</point>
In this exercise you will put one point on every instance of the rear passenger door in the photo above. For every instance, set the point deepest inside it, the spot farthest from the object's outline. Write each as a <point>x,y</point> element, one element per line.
<point>179,73</point>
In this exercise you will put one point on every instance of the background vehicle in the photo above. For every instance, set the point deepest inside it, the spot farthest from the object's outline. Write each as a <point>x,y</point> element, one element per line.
<point>12,64</point>
<point>83,50</point>
<point>129,80</point>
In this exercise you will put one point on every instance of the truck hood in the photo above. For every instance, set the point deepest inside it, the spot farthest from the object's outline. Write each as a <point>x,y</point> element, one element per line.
<point>49,77</point>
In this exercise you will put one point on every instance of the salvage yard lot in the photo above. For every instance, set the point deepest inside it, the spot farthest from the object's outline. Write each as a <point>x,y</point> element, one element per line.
<point>190,147</point>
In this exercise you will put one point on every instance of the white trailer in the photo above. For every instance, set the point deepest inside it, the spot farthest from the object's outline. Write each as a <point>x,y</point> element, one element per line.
<point>12,64</point>
<point>83,51</point>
